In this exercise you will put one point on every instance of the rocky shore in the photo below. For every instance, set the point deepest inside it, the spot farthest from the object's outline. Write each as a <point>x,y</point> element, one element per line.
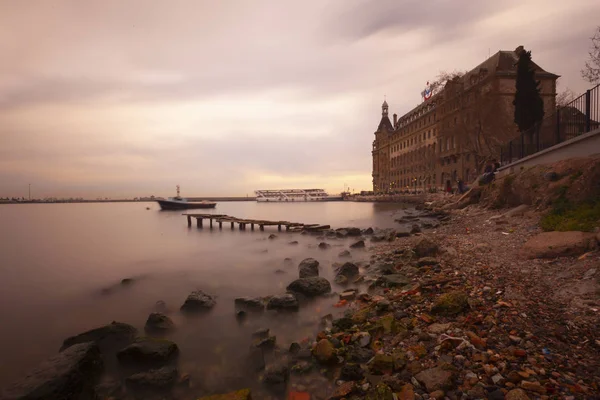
<point>457,303</point>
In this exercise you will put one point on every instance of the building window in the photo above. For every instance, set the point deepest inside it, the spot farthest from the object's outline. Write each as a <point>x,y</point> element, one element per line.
<point>429,135</point>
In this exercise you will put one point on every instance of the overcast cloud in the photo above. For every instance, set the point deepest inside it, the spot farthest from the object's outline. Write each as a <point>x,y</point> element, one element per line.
<point>122,99</point>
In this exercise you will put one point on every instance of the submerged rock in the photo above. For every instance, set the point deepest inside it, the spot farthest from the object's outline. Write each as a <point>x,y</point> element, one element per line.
<point>161,379</point>
<point>276,374</point>
<point>345,253</point>
<point>310,287</point>
<point>308,267</point>
<point>267,343</point>
<point>158,323</point>
<point>108,337</point>
<point>66,375</point>
<point>198,301</point>
<point>255,304</point>
<point>127,281</point>
<point>324,245</point>
<point>353,231</point>
<point>272,236</point>
<point>286,302</point>
<point>148,352</point>
<point>256,359</point>
<point>348,269</point>
<point>358,245</point>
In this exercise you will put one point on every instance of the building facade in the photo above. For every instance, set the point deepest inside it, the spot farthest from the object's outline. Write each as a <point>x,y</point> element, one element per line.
<point>451,135</point>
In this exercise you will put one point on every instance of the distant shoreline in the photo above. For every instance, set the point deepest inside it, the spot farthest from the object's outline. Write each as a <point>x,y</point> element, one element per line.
<point>126,200</point>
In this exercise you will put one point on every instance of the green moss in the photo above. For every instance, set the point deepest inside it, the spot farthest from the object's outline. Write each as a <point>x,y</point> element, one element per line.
<point>451,303</point>
<point>576,175</point>
<point>566,217</point>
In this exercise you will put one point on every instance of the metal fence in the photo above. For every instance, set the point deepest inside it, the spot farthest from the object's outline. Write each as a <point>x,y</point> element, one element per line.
<point>577,117</point>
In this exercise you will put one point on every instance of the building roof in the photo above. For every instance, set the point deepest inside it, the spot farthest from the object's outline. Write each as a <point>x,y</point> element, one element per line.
<point>385,123</point>
<point>502,62</point>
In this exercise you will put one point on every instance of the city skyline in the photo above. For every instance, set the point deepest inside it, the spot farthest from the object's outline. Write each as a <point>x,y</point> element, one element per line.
<point>106,99</point>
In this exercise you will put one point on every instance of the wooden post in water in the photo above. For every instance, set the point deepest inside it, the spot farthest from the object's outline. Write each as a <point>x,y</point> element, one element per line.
<point>262,227</point>
<point>232,225</point>
<point>199,222</point>
<point>210,223</point>
<point>220,224</point>
<point>189,221</point>
<point>279,228</point>
<point>252,226</point>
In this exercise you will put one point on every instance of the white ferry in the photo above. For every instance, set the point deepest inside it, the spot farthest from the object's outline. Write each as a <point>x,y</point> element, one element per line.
<point>294,195</point>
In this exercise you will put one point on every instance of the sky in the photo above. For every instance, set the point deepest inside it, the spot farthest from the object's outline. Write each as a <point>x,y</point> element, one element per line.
<point>129,98</point>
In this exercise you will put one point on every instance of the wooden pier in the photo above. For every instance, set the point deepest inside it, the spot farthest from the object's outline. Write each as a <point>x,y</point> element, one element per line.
<point>221,219</point>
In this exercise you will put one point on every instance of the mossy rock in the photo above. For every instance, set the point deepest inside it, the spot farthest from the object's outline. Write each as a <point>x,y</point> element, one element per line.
<point>380,392</point>
<point>452,303</point>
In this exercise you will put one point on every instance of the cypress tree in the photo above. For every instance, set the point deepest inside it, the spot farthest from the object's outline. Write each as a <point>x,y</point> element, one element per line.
<point>529,106</point>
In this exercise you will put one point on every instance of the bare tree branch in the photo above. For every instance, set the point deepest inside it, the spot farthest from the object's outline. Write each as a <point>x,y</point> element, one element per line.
<point>565,97</point>
<point>591,71</point>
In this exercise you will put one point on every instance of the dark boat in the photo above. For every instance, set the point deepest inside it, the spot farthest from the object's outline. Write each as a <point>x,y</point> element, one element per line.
<point>180,203</point>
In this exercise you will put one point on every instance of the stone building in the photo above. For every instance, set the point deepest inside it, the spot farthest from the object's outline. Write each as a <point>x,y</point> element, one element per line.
<point>456,131</point>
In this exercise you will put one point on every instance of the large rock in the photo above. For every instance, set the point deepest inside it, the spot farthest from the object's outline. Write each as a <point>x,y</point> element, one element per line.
<point>324,351</point>
<point>243,394</point>
<point>348,269</point>
<point>108,337</point>
<point>452,303</point>
<point>158,323</point>
<point>310,287</point>
<point>249,304</point>
<point>308,267</point>
<point>352,231</point>
<point>286,302</point>
<point>438,378</point>
<point>358,245</point>
<point>426,248</point>
<point>148,352</point>
<point>161,379</point>
<point>198,301</point>
<point>558,244</point>
<point>70,374</point>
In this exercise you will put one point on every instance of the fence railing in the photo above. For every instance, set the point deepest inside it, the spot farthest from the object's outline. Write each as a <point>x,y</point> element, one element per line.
<point>577,117</point>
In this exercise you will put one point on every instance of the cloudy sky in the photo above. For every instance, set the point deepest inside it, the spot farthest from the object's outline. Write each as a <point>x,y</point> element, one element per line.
<point>120,98</point>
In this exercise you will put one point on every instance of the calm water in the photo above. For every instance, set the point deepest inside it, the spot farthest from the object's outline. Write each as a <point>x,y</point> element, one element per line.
<point>56,258</point>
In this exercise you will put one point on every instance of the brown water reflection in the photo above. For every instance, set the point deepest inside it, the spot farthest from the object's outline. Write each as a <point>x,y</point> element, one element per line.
<point>55,260</point>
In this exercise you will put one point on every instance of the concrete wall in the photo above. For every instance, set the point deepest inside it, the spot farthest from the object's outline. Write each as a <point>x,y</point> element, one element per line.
<point>581,146</point>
